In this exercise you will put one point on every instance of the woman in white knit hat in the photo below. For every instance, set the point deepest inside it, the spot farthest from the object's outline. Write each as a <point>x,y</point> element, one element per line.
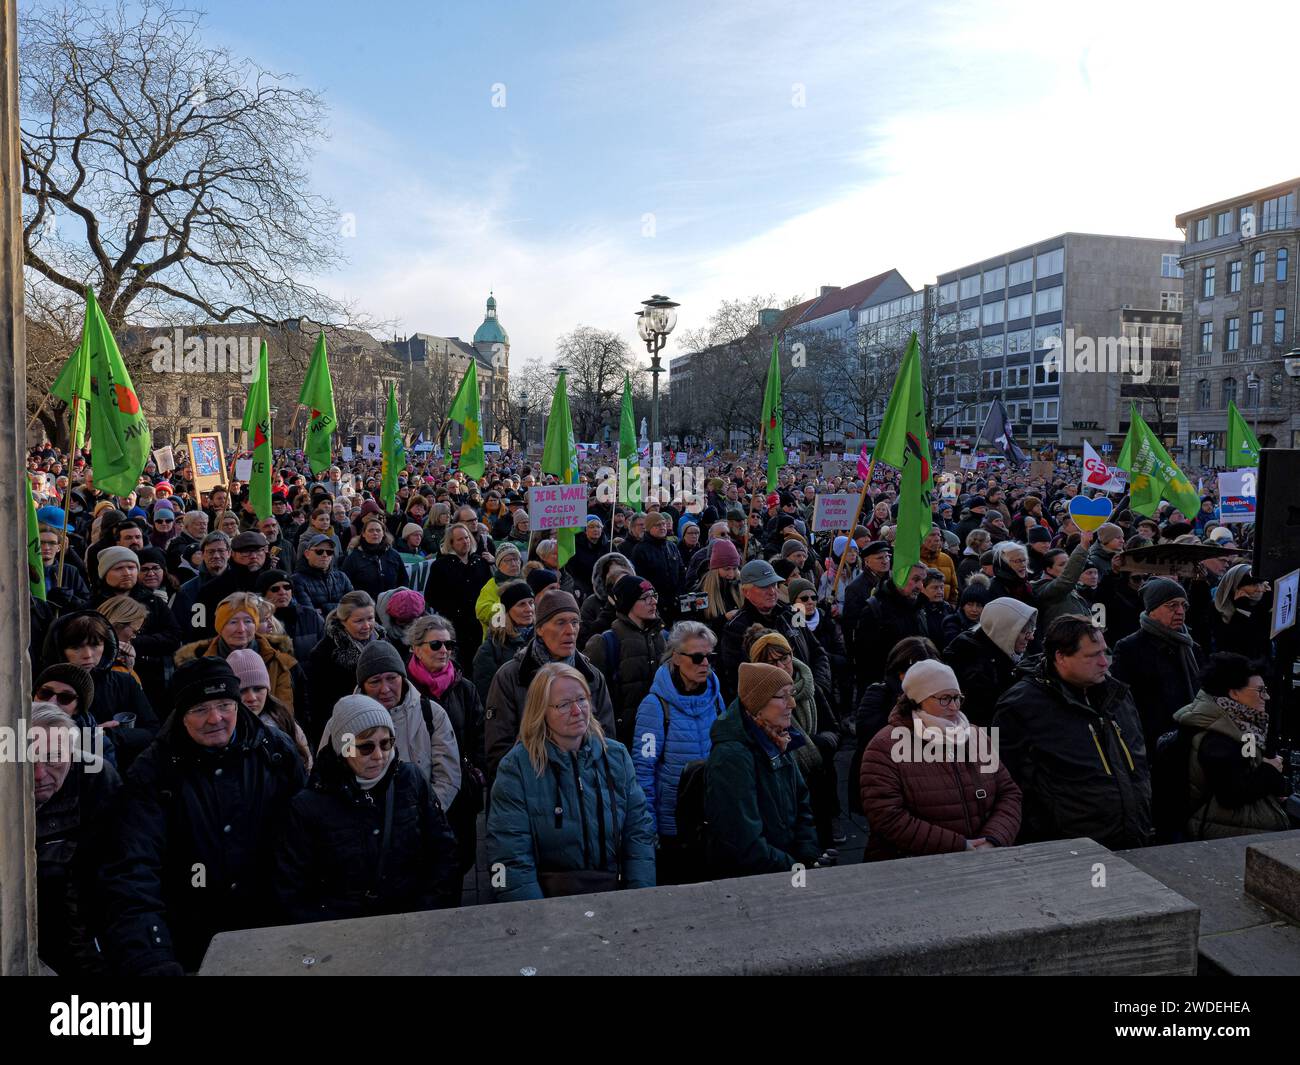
<point>931,782</point>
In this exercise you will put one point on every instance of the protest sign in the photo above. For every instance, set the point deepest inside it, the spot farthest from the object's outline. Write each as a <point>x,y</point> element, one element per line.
<point>1237,496</point>
<point>557,506</point>
<point>834,512</point>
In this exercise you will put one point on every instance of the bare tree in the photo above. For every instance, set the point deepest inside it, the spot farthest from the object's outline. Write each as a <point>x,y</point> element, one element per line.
<point>531,387</point>
<point>596,360</point>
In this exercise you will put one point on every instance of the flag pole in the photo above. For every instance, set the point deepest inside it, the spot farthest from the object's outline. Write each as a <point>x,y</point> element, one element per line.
<point>67,493</point>
<point>44,399</point>
<point>744,543</point>
<point>866,487</point>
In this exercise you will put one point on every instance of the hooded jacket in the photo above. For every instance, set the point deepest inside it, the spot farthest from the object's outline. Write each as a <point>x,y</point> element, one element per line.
<point>985,666</point>
<point>329,857</point>
<point>1079,759</point>
<point>672,730</point>
<point>586,811</point>
<point>183,808</point>
<point>756,802</point>
<point>637,652</point>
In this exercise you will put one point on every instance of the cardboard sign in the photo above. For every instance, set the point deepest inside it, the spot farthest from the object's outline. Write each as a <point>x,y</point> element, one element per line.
<point>347,453</point>
<point>952,460</point>
<point>969,462</point>
<point>243,469</point>
<point>207,460</point>
<point>557,506</point>
<point>832,468</point>
<point>164,459</point>
<point>1237,496</point>
<point>1041,469</point>
<point>1285,593</point>
<point>834,512</point>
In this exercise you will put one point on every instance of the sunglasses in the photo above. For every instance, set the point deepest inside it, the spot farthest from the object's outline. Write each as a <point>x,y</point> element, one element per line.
<point>698,657</point>
<point>368,747</point>
<point>438,645</point>
<point>806,598</point>
<point>164,521</point>
<point>322,551</point>
<point>49,695</point>
<point>280,588</point>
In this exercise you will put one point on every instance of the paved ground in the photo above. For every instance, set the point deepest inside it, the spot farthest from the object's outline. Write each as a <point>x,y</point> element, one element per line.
<point>478,881</point>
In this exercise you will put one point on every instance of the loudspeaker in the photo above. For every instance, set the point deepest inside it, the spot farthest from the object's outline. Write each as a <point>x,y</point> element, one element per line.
<point>1277,513</point>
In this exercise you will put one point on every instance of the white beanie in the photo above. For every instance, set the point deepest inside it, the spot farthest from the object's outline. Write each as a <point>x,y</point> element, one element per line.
<point>928,677</point>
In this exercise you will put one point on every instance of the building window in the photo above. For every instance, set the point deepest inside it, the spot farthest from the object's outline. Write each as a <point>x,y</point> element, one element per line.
<point>1051,263</point>
<point>1231,334</point>
<point>1169,266</point>
<point>1281,264</point>
<point>1223,223</point>
<point>1017,376</point>
<point>1019,273</point>
<point>1279,326</point>
<point>1257,268</point>
<point>968,319</point>
<point>1229,391</point>
<point>948,292</point>
<point>160,404</point>
<point>1202,394</point>
<point>993,380</point>
<point>970,286</point>
<point>1252,392</point>
<point>1203,229</point>
<point>1019,341</point>
<point>1246,217</point>
<point>1047,300</point>
<point>1171,301</point>
<point>1043,336</point>
<point>995,280</point>
<point>1207,282</point>
<point>1046,410</point>
<point>993,347</point>
<point>1234,276</point>
<point>237,407</point>
<point>993,313</point>
<point>205,408</point>
<point>1278,212</point>
<point>1019,307</point>
<point>1256,327</point>
<point>185,405</point>
<point>1207,337</point>
<point>1047,375</point>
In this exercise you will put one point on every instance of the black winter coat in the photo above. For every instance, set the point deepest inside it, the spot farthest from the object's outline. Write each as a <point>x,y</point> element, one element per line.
<point>334,860</point>
<point>1151,668</point>
<point>490,657</point>
<point>331,674</point>
<point>659,562</point>
<point>984,672</point>
<point>629,676</point>
<point>192,850</point>
<point>319,590</point>
<point>1079,759</point>
<point>808,651</point>
<point>302,625</point>
<point>375,569</point>
<point>595,615</point>
<point>155,643</point>
<point>888,618</point>
<point>452,590</point>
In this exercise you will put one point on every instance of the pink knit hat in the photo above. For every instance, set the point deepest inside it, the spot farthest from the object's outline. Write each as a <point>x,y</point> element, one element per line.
<point>405,605</point>
<point>722,554</point>
<point>249,668</point>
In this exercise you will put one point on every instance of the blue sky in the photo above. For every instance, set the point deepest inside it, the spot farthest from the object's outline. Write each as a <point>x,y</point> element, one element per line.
<point>765,147</point>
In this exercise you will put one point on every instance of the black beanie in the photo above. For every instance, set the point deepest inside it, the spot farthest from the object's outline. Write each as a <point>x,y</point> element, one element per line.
<point>269,577</point>
<point>539,579</point>
<point>628,590</point>
<point>152,554</point>
<point>75,678</point>
<point>379,656</point>
<point>513,593</point>
<point>202,679</point>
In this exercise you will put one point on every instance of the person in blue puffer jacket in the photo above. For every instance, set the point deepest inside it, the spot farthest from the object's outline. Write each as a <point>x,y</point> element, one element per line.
<point>672,730</point>
<point>567,816</point>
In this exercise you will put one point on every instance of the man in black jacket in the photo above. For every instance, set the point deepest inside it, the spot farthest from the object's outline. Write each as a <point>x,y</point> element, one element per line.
<point>876,560</point>
<point>657,560</point>
<point>191,852</point>
<point>629,651</point>
<point>890,615</point>
<point>1072,739</point>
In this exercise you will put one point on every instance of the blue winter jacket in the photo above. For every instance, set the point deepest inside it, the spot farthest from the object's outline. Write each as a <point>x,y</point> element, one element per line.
<point>527,835</point>
<point>659,761</point>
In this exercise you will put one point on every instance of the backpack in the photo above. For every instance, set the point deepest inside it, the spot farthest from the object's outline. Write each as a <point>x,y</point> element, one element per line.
<point>1171,804</point>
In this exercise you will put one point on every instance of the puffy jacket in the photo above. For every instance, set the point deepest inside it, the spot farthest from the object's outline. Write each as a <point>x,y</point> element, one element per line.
<point>182,606</point>
<point>509,691</point>
<point>491,656</point>
<point>637,653</point>
<point>274,652</point>
<point>756,802</point>
<point>672,730</point>
<point>328,859</point>
<point>375,569</point>
<point>186,809</point>
<point>1154,672</point>
<point>319,590</point>
<point>918,806</point>
<point>1228,794</point>
<point>1079,758</point>
<point>551,823</point>
<point>942,561</point>
<point>303,625</point>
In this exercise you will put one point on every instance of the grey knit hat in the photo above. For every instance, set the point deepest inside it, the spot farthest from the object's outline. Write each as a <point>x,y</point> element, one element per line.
<point>353,715</point>
<point>112,556</point>
<point>1158,591</point>
<point>379,657</point>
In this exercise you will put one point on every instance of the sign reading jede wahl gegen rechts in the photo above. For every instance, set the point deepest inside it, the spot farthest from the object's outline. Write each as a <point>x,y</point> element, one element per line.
<point>557,506</point>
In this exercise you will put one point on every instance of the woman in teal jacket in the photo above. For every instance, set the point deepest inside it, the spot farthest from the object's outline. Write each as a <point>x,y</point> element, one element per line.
<point>567,815</point>
<point>756,801</point>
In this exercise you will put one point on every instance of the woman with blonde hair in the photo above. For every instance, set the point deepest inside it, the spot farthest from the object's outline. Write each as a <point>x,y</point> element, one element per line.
<point>567,815</point>
<point>127,616</point>
<point>238,621</point>
<point>455,579</point>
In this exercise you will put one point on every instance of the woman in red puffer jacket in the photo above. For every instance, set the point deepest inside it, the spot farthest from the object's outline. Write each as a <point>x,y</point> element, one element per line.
<point>924,788</point>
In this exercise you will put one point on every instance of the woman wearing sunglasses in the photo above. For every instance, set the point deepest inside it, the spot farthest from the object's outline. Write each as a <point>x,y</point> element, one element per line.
<point>366,836</point>
<point>931,781</point>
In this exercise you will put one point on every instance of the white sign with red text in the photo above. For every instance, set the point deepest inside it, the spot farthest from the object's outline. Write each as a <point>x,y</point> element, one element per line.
<point>834,512</point>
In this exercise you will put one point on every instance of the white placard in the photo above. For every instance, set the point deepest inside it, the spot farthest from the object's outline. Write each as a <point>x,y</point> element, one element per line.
<point>834,512</point>
<point>347,453</point>
<point>657,454</point>
<point>1237,496</point>
<point>243,469</point>
<point>370,448</point>
<point>164,459</point>
<point>681,458</point>
<point>1285,593</point>
<point>557,506</point>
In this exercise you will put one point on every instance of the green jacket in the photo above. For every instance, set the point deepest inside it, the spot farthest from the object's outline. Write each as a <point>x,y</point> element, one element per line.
<point>1055,597</point>
<point>1229,794</point>
<point>807,757</point>
<point>756,802</point>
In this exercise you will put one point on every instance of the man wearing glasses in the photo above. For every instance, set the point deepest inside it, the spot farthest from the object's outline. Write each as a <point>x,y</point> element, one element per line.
<point>191,850</point>
<point>215,548</point>
<point>248,553</point>
<point>301,622</point>
<point>316,582</point>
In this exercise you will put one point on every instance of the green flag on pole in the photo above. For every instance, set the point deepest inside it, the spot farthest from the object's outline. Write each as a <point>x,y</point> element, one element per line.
<point>394,453</point>
<point>628,456</point>
<point>1152,474</point>
<point>904,444</point>
<point>35,564</point>
<point>73,387</point>
<point>465,412</point>
<point>773,430</point>
<point>249,422</point>
<point>317,395</point>
<point>1243,448</point>
<point>257,419</point>
<point>119,435</point>
<point>560,455</point>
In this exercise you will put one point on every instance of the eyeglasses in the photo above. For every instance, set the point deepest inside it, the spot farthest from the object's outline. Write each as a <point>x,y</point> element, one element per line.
<point>1262,689</point>
<point>164,521</point>
<point>368,747</point>
<point>949,701</point>
<point>780,656</point>
<point>438,645</point>
<point>569,704</point>
<point>650,597</point>
<point>698,657</point>
<point>49,695</point>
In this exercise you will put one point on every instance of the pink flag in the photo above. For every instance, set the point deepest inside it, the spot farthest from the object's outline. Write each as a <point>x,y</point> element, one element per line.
<point>864,467</point>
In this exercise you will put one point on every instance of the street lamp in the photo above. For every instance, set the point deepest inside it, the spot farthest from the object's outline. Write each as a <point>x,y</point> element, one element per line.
<point>653,324</point>
<point>524,396</point>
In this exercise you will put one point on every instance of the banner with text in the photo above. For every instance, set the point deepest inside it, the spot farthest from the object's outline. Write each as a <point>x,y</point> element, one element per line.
<point>1237,496</point>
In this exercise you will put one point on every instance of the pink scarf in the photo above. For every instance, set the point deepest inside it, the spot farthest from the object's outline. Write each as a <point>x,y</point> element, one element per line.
<point>434,683</point>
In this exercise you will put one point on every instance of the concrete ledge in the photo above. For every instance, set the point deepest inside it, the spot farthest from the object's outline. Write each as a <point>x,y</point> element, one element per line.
<point>1031,909</point>
<point>1273,875</point>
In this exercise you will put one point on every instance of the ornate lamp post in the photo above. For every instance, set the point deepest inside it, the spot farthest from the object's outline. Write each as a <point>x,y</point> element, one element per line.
<point>653,324</point>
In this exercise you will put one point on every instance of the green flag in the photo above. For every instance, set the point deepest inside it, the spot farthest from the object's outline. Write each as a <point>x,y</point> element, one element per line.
<point>119,435</point>
<point>73,383</point>
<point>35,564</point>
<point>1152,474</point>
<point>249,422</point>
<point>394,453</point>
<point>465,412</point>
<point>257,420</point>
<point>772,433</point>
<point>903,444</point>
<point>560,455</point>
<point>317,395</point>
<point>1243,448</point>
<point>628,456</point>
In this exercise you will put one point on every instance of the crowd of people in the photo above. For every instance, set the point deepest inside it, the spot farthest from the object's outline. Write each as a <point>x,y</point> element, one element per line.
<point>313,715</point>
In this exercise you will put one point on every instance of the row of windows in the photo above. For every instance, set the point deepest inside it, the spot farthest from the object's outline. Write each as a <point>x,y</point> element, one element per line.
<point>1228,393</point>
<point>903,305</point>
<point>1049,264</point>
<point>1232,331</point>
<point>1044,411</point>
<point>1276,213</point>
<point>1008,377</point>
<point>1209,272</point>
